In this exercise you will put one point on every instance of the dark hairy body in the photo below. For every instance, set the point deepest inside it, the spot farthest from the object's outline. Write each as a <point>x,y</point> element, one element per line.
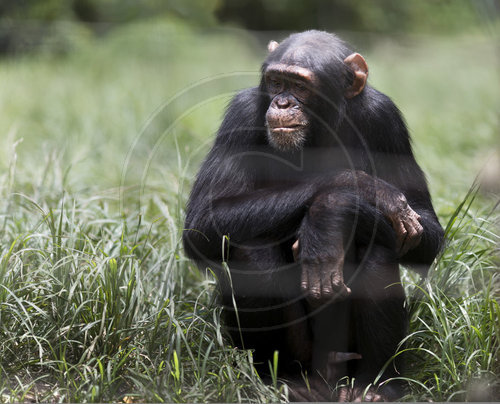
<point>313,180</point>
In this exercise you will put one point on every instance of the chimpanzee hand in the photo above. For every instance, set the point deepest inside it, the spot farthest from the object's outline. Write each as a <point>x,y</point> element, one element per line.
<point>405,222</point>
<point>322,281</point>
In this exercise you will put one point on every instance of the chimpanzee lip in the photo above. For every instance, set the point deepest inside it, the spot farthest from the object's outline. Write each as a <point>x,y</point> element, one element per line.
<point>289,128</point>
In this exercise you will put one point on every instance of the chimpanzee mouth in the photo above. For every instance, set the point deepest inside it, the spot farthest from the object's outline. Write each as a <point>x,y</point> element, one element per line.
<point>286,129</point>
<point>286,138</point>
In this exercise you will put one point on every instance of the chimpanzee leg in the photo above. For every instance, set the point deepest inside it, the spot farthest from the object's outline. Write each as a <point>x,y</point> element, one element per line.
<point>269,314</point>
<point>343,237</point>
<point>378,317</point>
<point>325,235</point>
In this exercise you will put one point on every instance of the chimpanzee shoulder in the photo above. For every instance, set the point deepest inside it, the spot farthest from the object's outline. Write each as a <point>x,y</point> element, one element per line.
<point>242,119</point>
<point>381,122</point>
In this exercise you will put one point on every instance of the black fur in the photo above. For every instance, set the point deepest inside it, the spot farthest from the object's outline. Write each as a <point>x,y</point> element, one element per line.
<point>263,199</point>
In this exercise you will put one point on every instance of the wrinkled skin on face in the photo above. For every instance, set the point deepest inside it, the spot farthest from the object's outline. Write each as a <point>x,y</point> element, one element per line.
<point>290,90</point>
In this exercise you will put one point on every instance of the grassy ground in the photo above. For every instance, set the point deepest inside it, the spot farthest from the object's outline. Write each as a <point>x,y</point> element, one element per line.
<point>98,149</point>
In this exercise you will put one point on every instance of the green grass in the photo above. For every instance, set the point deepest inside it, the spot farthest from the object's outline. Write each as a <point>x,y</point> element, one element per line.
<point>98,151</point>
<point>453,346</point>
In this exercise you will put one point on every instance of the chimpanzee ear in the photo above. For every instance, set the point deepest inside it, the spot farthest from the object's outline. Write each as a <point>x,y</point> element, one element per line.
<point>272,45</point>
<point>358,65</point>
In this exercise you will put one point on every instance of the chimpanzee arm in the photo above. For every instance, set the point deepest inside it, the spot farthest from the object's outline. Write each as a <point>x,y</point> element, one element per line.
<point>388,141</point>
<point>242,217</point>
<point>225,199</point>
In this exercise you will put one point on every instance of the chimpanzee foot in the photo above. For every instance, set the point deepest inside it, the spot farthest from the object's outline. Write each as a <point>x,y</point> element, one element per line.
<point>304,394</point>
<point>315,390</point>
<point>318,388</point>
<point>336,370</point>
<point>358,394</point>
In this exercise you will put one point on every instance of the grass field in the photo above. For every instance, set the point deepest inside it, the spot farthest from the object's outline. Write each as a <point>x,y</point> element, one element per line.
<point>98,150</point>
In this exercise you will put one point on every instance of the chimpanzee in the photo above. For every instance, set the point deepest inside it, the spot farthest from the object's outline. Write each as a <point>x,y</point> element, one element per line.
<point>312,197</point>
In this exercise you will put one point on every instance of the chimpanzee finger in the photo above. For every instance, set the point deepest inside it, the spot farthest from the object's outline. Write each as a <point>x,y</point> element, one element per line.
<point>314,283</point>
<point>400,234</point>
<point>415,218</point>
<point>415,240</point>
<point>373,397</point>
<point>304,281</point>
<point>414,234</point>
<point>344,395</point>
<point>327,291</point>
<point>405,247</point>
<point>419,227</point>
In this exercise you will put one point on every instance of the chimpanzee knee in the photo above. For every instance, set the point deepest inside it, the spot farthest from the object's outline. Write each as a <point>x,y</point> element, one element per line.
<point>338,220</point>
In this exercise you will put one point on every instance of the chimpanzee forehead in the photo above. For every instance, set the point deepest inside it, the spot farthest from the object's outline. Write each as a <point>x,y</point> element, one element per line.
<point>291,70</point>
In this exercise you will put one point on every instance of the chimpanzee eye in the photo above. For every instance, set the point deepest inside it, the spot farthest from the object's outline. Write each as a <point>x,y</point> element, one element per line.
<point>301,89</point>
<point>273,85</point>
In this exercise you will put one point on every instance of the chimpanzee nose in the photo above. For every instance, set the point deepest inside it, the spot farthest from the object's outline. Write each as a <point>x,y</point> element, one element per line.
<point>282,102</point>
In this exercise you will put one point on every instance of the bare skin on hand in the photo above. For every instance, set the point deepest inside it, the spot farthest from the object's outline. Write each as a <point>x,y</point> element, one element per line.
<point>322,282</point>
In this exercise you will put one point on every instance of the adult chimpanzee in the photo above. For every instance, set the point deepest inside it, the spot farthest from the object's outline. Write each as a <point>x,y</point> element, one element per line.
<point>313,181</point>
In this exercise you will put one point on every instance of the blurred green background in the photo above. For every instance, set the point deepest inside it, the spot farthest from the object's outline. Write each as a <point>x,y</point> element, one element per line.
<point>84,82</point>
<point>25,23</point>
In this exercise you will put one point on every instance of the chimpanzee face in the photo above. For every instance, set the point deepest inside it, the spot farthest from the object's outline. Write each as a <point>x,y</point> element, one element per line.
<point>293,89</point>
<point>290,89</point>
